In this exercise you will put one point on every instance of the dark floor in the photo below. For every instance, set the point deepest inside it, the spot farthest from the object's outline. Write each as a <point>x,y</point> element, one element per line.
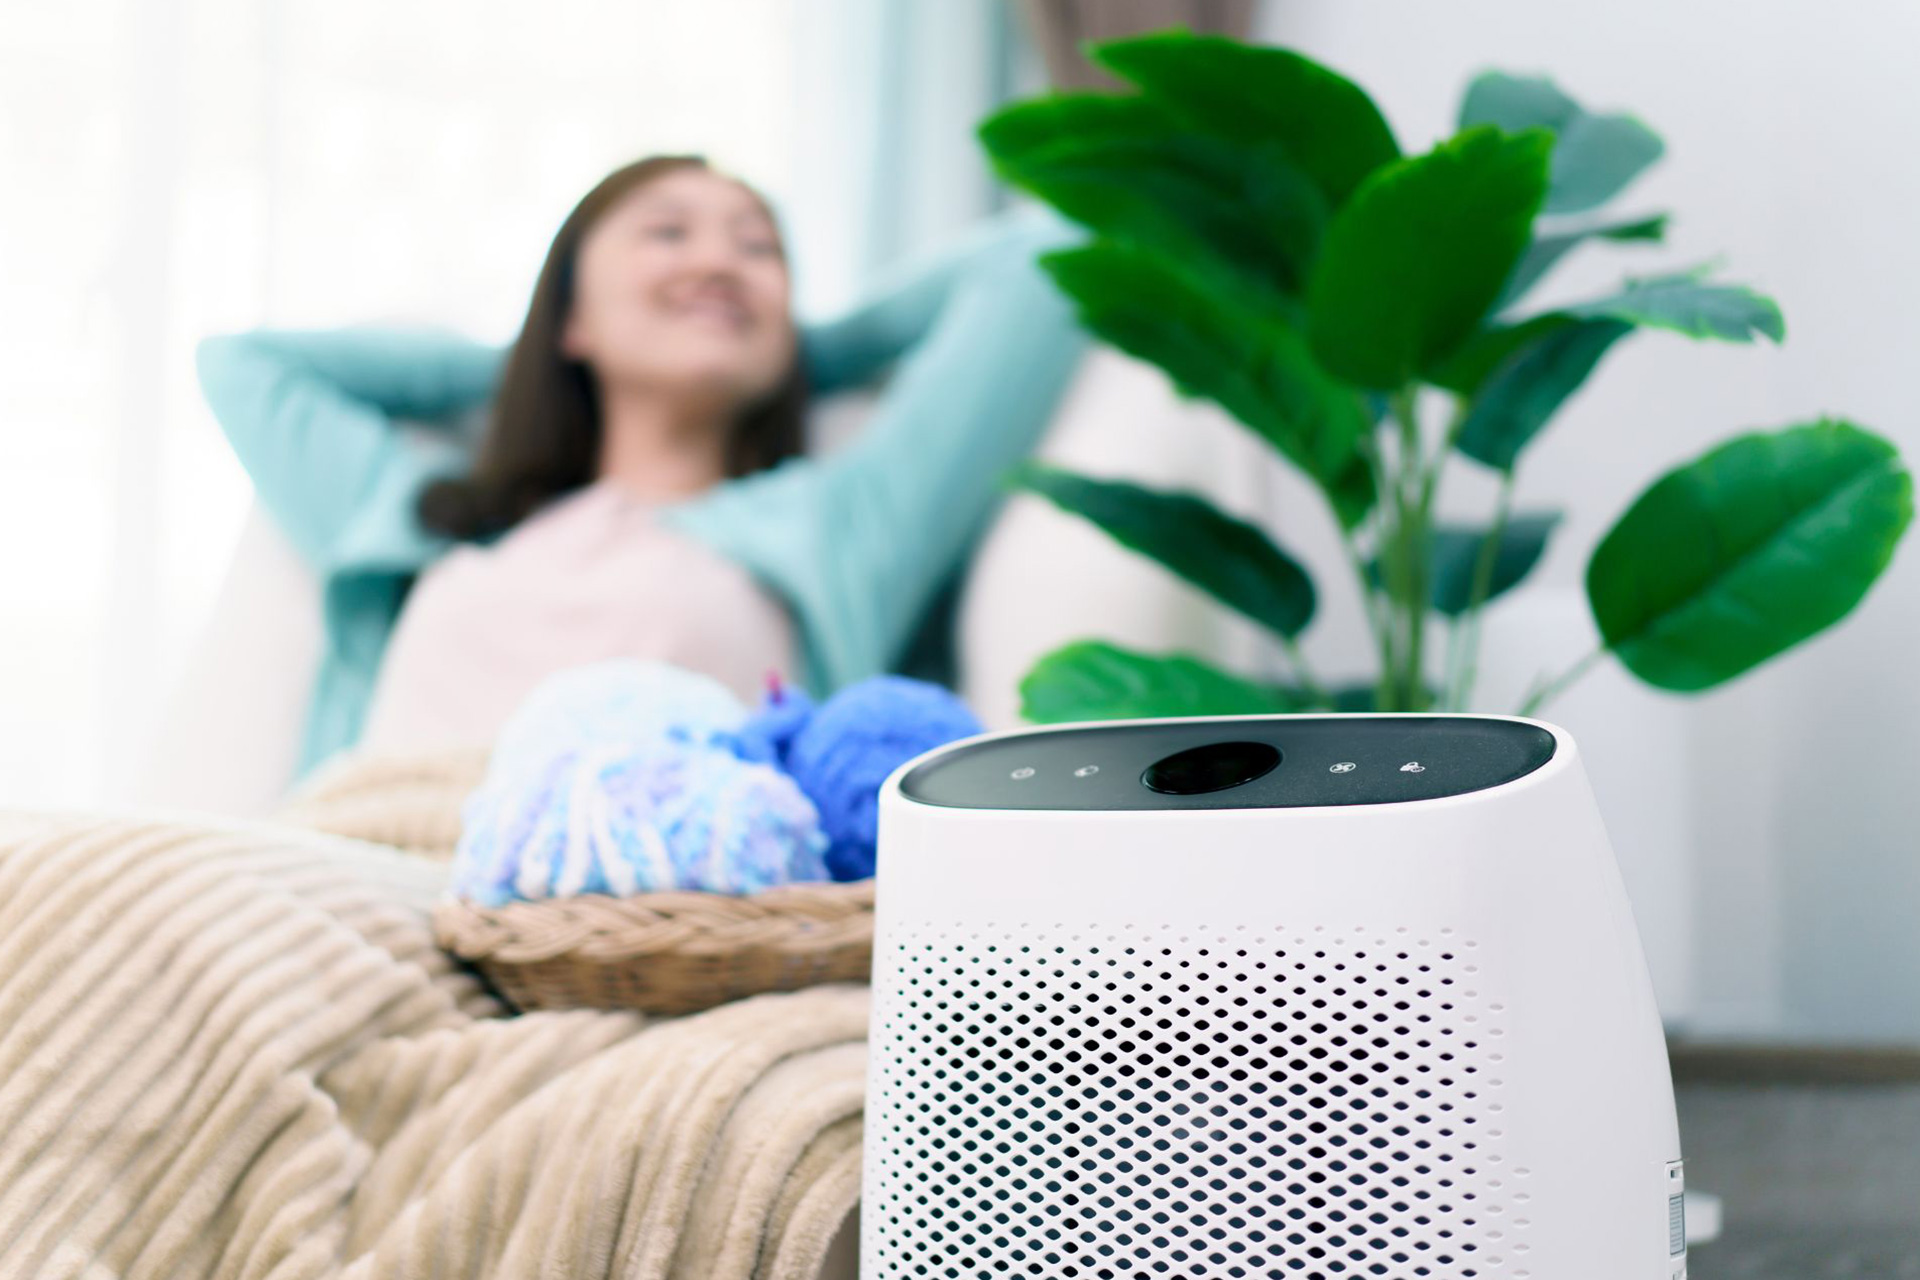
<point>1816,1179</point>
<point>1808,1253</point>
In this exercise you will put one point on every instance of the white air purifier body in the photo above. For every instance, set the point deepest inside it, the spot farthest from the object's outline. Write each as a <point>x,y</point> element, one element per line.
<point>1262,996</point>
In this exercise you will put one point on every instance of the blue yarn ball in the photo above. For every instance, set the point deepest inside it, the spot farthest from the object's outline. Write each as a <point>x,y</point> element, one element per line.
<point>768,734</point>
<point>844,750</point>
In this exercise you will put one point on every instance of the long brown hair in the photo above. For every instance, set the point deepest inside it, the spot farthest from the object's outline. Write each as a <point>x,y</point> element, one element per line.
<point>544,436</point>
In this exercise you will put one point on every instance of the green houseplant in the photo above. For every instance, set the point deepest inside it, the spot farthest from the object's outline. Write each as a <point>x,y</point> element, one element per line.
<point>1259,236</point>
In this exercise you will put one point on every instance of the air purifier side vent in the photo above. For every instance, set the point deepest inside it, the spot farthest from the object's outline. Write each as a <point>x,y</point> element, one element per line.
<point>1142,1101</point>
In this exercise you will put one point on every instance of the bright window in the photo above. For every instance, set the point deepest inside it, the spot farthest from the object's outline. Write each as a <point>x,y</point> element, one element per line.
<point>174,168</point>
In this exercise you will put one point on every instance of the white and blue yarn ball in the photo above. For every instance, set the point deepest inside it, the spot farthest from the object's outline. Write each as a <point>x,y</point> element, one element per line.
<point>623,700</point>
<point>623,778</point>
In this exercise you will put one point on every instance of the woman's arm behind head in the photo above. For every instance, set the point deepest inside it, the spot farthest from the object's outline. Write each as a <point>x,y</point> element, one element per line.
<point>312,415</point>
<point>899,310</point>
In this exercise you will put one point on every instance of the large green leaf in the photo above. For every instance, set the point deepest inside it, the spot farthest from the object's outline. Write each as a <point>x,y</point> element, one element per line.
<point>1229,559</point>
<point>1549,247</point>
<point>1094,680</point>
<point>1130,170</point>
<point>1518,376</point>
<point>1527,388</point>
<point>1457,550</point>
<point>1683,302</point>
<point>1514,103</point>
<point>1594,156</point>
<point>1411,264</point>
<point>1327,124</point>
<point>1250,364</point>
<point>1467,368</point>
<point>1688,304</point>
<point>1741,554</point>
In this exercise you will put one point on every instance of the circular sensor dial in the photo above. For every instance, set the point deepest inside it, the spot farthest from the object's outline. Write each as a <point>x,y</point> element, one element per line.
<point>1214,766</point>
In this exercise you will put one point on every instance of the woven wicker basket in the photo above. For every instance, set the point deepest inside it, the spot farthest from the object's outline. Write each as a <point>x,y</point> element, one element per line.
<point>665,953</point>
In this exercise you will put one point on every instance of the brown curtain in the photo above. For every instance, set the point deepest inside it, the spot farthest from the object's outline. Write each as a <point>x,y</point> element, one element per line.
<point>1060,27</point>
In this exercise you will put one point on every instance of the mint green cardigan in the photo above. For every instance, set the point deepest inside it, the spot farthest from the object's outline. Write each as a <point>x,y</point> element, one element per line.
<point>856,543</point>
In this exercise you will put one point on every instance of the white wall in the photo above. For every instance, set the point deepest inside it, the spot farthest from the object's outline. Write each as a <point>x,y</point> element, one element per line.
<point>1791,132</point>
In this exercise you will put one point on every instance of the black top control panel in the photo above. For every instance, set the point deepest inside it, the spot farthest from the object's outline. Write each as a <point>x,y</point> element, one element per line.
<point>1233,762</point>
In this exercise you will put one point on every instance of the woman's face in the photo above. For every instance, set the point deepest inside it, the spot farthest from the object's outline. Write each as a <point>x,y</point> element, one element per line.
<point>682,285</point>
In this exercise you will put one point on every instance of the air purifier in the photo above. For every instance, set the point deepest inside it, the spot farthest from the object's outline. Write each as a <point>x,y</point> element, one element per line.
<point>1288,996</point>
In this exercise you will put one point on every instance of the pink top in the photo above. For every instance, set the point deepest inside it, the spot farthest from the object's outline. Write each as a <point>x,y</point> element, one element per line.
<point>590,576</point>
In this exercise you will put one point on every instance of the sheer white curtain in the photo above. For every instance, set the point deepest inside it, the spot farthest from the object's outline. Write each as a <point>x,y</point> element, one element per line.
<point>179,167</point>
<point>889,94</point>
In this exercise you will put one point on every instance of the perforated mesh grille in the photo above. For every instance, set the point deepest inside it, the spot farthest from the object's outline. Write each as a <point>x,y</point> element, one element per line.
<point>1186,1102</point>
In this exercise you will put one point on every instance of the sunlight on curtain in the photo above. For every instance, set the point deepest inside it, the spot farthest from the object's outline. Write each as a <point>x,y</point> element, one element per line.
<point>181,167</point>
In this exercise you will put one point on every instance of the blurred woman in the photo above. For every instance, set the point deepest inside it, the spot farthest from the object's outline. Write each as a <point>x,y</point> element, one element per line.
<point>639,487</point>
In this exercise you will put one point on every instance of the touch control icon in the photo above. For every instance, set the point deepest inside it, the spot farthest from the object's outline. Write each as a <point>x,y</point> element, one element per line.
<point>1413,766</point>
<point>1024,771</point>
<point>1345,766</point>
<point>1086,771</point>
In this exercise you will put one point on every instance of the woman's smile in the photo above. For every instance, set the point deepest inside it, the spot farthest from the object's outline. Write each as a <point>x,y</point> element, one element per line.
<point>720,309</point>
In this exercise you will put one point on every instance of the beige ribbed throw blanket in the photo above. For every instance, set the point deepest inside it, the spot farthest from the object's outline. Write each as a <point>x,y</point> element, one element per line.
<point>234,1051</point>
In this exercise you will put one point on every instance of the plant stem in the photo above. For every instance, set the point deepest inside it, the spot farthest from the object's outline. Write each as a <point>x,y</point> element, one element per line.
<point>1378,605</point>
<point>1461,642</point>
<point>1558,685</point>
<point>1412,493</point>
<point>1303,673</point>
<point>1455,425</point>
<point>1450,685</point>
<point>1370,600</point>
<point>1482,584</point>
